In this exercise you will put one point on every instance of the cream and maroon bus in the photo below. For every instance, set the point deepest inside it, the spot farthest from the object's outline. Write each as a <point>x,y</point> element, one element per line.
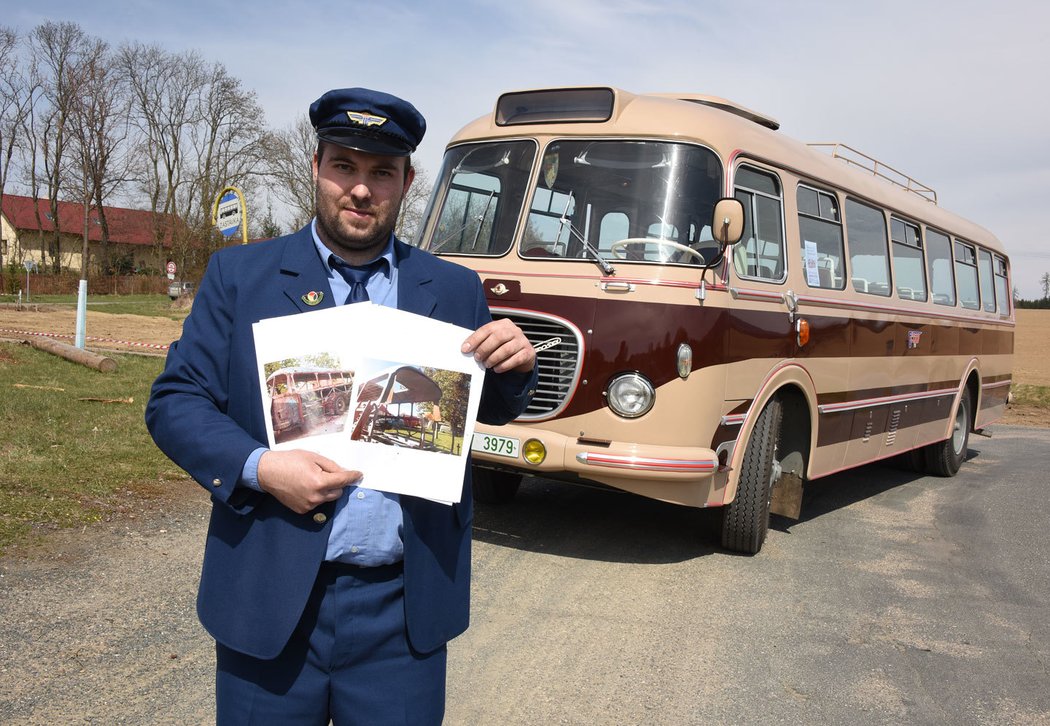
<point>720,312</point>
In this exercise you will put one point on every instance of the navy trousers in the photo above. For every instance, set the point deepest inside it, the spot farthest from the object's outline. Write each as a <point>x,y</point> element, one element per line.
<point>348,662</point>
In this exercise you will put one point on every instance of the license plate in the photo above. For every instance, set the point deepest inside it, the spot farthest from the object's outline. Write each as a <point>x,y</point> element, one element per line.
<point>496,445</point>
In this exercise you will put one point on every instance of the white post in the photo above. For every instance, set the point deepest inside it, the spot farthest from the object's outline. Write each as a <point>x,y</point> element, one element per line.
<point>81,313</point>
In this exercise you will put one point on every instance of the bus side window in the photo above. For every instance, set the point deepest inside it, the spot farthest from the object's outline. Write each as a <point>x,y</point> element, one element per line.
<point>868,258</point>
<point>939,267</point>
<point>984,258</point>
<point>908,269</point>
<point>820,232</point>
<point>966,275</point>
<point>760,252</point>
<point>1002,289</point>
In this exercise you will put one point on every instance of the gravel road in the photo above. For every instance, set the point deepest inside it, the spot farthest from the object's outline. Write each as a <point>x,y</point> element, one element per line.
<point>896,599</point>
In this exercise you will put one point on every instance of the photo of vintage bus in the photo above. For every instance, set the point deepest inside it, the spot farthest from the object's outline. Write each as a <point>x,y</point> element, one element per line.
<point>721,312</point>
<point>308,399</point>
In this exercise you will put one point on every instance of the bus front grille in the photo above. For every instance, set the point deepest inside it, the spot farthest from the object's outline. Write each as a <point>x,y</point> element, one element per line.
<point>558,358</point>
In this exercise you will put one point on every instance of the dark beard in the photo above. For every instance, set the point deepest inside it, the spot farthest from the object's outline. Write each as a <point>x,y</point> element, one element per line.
<point>352,245</point>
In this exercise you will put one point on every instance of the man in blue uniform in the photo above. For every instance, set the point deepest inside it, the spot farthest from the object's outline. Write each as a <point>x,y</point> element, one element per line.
<point>327,600</point>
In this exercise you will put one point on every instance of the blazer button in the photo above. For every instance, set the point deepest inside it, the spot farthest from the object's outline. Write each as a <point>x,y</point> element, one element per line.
<point>216,482</point>
<point>320,518</point>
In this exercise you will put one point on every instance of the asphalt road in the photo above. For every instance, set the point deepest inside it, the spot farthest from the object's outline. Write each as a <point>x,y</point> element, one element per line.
<point>896,599</point>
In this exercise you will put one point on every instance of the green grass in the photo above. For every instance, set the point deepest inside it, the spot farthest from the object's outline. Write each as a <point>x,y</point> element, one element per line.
<point>445,442</point>
<point>66,462</point>
<point>153,305</point>
<point>1028,395</point>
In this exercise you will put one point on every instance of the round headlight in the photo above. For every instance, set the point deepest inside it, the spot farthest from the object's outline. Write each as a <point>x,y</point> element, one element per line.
<point>630,395</point>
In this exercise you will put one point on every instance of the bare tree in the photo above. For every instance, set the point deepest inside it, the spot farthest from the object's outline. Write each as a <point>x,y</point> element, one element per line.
<point>289,159</point>
<point>201,130</point>
<point>98,128</point>
<point>56,47</point>
<point>163,89</point>
<point>414,205</point>
<point>1045,282</point>
<point>228,144</point>
<point>16,96</point>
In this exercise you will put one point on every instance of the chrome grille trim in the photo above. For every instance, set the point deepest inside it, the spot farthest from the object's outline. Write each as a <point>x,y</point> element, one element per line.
<point>559,364</point>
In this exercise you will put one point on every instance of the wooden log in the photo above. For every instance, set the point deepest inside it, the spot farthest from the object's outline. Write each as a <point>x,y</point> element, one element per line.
<point>77,355</point>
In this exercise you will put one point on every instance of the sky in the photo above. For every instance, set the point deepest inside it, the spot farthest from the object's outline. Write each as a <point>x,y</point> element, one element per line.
<point>953,93</point>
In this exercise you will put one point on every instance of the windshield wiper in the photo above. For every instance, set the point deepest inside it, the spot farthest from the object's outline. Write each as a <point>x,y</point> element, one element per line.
<point>604,266</point>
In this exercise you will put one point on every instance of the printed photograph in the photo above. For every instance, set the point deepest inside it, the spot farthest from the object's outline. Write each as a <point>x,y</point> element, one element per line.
<point>409,406</point>
<point>308,396</point>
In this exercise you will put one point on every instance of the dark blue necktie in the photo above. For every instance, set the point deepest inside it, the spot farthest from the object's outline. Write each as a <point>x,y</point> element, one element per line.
<point>356,277</point>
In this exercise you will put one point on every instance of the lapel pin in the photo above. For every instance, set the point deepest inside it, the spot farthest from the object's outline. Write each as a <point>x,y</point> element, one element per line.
<point>313,297</point>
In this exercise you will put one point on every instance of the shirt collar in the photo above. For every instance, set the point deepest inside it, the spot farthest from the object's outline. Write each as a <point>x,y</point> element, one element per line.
<point>323,252</point>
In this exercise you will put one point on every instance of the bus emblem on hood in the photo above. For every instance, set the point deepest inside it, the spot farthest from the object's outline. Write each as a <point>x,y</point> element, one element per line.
<point>499,289</point>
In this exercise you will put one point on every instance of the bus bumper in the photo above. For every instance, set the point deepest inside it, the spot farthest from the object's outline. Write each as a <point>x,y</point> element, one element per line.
<point>681,474</point>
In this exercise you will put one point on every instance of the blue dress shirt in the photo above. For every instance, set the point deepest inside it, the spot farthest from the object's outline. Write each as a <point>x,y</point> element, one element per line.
<point>366,527</point>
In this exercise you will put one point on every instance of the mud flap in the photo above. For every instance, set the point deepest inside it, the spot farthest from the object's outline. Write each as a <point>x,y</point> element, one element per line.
<point>786,499</point>
<point>787,496</point>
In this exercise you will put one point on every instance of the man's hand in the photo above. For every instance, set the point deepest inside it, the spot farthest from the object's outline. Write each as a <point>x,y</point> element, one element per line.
<point>501,346</point>
<point>303,480</point>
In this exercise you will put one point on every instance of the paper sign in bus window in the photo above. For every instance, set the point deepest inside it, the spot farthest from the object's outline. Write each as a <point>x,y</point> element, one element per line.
<point>809,251</point>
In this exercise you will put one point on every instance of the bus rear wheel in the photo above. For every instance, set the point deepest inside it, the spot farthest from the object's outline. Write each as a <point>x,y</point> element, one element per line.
<point>494,487</point>
<point>745,520</point>
<point>945,457</point>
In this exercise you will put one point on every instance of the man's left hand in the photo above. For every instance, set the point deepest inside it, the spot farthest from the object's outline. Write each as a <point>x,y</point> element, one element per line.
<point>501,346</point>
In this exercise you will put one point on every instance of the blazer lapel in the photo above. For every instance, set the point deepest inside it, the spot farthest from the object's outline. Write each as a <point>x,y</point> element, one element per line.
<point>303,277</point>
<point>413,282</point>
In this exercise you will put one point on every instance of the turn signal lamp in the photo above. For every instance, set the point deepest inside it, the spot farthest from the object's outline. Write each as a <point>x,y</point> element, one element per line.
<point>802,331</point>
<point>534,451</point>
<point>685,360</point>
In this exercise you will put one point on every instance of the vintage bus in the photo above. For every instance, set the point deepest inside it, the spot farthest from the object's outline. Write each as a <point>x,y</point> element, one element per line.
<point>720,312</point>
<point>301,395</point>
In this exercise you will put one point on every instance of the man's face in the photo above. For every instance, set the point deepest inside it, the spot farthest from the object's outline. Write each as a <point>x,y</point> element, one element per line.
<point>358,199</point>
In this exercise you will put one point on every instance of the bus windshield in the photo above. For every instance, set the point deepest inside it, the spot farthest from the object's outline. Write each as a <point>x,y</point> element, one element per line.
<point>616,201</point>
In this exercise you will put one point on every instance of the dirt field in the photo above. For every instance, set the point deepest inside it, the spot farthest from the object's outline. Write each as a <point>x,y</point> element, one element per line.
<point>117,332</point>
<point>149,334</point>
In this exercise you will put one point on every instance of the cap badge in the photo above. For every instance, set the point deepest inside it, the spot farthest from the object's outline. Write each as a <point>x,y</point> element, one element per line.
<point>365,119</point>
<point>313,298</point>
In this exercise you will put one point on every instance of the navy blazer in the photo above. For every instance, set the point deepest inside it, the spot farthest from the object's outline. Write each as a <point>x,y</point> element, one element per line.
<point>205,412</point>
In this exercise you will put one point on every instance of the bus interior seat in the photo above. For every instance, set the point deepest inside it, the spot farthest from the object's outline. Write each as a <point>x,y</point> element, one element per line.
<point>824,276</point>
<point>540,251</point>
<point>860,284</point>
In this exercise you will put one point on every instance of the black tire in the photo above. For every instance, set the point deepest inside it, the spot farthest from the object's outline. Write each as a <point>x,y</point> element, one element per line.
<point>339,404</point>
<point>494,487</point>
<point>745,520</point>
<point>945,457</point>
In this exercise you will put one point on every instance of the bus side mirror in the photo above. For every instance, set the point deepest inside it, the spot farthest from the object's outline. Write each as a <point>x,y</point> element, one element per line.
<point>728,221</point>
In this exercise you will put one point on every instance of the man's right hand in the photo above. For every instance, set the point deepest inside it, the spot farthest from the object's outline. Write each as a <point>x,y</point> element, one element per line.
<point>303,480</point>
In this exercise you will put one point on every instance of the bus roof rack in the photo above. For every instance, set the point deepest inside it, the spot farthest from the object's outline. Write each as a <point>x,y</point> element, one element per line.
<point>852,157</point>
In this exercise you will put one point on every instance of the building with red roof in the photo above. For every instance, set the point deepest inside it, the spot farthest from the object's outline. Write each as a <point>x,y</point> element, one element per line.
<point>138,239</point>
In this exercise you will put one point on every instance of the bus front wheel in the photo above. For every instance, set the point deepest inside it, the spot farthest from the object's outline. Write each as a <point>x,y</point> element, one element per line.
<point>494,487</point>
<point>945,457</point>
<point>745,520</point>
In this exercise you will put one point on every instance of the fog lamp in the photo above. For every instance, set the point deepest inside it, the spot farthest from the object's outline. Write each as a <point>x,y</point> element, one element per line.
<point>534,451</point>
